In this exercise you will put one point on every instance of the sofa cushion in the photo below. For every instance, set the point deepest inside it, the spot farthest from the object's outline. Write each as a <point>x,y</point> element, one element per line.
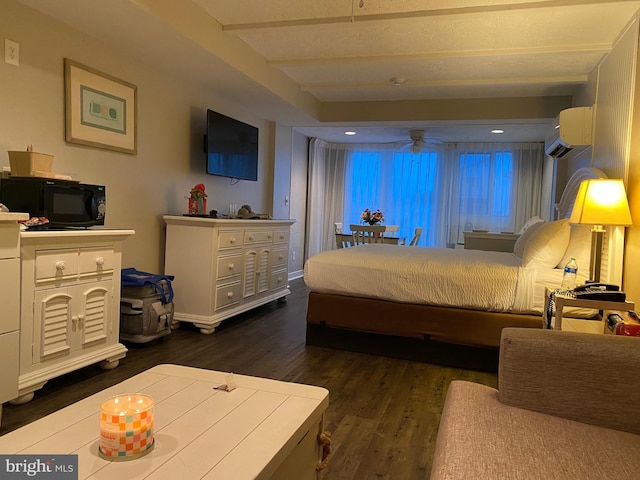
<point>544,371</point>
<point>481,438</point>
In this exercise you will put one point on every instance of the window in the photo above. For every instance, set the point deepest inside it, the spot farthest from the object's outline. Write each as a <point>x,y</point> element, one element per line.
<point>445,189</point>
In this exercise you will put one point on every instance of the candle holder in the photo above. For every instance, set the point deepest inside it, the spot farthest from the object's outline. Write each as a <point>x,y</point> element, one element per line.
<point>126,426</point>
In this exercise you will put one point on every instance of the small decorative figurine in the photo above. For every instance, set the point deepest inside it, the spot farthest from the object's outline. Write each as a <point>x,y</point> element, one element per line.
<point>198,200</point>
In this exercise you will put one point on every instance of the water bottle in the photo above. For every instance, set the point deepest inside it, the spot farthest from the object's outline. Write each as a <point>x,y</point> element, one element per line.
<point>569,275</point>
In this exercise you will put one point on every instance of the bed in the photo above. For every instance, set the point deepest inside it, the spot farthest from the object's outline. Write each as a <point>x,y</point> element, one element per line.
<point>450,296</point>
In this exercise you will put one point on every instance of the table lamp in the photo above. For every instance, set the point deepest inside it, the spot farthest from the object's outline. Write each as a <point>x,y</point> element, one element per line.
<point>600,202</point>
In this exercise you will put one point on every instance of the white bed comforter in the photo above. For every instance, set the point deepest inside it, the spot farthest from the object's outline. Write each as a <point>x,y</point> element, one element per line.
<point>473,279</point>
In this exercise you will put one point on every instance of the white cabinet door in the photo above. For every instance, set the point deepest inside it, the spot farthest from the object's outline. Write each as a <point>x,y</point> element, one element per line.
<point>256,271</point>
<point>10,288</point>
<point>52,324</point>
<point>91,307</point>
<point>70,319</point>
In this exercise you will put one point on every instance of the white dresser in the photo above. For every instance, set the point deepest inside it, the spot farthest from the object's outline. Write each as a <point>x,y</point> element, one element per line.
<point>10,304</point>
<point>70,315</point>
<point>223,267</point>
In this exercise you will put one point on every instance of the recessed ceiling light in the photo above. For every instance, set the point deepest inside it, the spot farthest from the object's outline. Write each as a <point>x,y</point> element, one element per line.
<point>349,132</point>
<point>497,130</point>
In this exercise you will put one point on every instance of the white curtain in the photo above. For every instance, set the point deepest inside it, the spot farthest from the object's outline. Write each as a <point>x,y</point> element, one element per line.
<point>408,188</point>
<point>444,189</point>
<point>325,194</point>
<point>495,187</point>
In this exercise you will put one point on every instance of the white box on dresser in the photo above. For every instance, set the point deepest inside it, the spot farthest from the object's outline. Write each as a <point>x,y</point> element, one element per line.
<point>10,304</point>
<point>224,267</point>
<point>70,303</point>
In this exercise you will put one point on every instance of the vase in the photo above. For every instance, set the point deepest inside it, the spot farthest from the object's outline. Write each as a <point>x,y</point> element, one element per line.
<point>372,222</point>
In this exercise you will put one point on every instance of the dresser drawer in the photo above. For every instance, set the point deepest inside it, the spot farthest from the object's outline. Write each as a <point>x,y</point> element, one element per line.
<point>96,261</point>
<point>56,264</point>
<point>229,266</point>
<point>281,235</point>
<point>230,239</point>
<point>279,256</point>
<point>229,294</point>
<point>279,280</point>
<point>258,236</point>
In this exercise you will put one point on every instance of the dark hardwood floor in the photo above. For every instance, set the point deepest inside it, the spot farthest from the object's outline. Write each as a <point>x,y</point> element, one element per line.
<point>383,412</point>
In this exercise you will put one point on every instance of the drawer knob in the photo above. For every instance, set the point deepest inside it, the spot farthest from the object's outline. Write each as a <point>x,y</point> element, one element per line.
<point>281,257</point>
<point>269,236</point>
<point>250,237</point>
<point>232,240</point>
<point>60,265</point>
<point>231,266</point>
<point>229,294</point>
<point>100,261</point>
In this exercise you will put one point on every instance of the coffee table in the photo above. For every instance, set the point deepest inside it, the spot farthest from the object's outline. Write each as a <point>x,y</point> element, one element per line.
<point>262,429</point>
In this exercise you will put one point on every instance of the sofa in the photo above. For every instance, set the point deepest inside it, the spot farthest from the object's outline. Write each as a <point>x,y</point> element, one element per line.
<point>567,407</point>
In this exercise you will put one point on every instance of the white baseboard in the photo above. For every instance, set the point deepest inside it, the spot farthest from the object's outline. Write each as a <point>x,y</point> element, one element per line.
<point>296,274</point>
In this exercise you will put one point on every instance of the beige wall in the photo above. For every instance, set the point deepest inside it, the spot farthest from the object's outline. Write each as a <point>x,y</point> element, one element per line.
<point>631,272</point>
<point>171,123</point>
<point>613,89</point>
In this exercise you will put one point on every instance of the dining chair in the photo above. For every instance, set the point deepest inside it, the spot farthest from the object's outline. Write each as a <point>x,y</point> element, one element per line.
<point>366,234</point>
<point>416,237</point>
<point>342,240</point>
<point>391,230</point>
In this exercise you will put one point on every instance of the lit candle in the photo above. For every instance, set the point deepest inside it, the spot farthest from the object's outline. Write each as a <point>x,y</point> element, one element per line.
<point>126,426</point>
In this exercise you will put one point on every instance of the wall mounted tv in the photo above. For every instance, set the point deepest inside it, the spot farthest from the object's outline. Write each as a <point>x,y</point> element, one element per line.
<point>231,147</point>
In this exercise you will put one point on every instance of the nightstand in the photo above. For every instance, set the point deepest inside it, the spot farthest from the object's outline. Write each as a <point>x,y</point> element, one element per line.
<point>579,324</point>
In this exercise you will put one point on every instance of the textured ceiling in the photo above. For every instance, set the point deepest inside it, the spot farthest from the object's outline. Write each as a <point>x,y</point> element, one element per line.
<point>291,60</point>
<point>346,50</point>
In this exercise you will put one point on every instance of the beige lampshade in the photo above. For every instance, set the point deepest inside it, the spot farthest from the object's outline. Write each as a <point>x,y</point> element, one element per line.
<point>601,201</point>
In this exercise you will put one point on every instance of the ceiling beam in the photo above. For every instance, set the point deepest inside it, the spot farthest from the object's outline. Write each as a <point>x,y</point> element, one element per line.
<point>466,109</point>
<point>569,79</point>
<point>355,18</point>
<point>602,49</point>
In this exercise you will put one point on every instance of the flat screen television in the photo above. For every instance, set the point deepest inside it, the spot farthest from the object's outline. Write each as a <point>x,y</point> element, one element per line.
<point>231,147</point>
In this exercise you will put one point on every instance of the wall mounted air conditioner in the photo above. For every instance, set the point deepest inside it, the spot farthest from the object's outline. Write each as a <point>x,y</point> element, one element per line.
<point>570,129</point>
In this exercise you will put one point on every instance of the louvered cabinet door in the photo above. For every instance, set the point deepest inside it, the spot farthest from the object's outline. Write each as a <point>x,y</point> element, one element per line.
<point>52,324</point>
<point>256,271</point>
<point>93,313</point>
<point>70,319</point>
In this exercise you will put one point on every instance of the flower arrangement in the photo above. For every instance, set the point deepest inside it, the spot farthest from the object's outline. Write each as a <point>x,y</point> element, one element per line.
<point>198,191</point>
<point>367,216</point>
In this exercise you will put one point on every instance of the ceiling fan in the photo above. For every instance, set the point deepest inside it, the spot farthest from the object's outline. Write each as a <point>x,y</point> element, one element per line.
<point>418,140</point>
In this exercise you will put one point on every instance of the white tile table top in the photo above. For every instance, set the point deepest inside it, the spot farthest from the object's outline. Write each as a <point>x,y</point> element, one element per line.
<point>199,432</point>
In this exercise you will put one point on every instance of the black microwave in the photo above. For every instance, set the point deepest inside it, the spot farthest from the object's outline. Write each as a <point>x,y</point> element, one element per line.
<point>64,203</point>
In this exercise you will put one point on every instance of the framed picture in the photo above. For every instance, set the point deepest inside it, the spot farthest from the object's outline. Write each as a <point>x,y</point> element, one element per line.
<point>100,110</point>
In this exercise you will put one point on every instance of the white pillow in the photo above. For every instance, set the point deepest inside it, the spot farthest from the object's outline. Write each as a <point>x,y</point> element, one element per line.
<point>579,247</point>
<point>521,242</point>
<point>547,244</point>
<point>529,223</point>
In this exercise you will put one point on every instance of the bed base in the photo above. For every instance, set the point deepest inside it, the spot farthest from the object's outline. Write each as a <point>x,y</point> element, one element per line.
<point>418,350</point>
<point>405,330</point>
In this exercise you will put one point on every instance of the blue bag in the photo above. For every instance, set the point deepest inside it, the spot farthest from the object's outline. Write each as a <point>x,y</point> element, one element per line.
<point>135,278</point>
